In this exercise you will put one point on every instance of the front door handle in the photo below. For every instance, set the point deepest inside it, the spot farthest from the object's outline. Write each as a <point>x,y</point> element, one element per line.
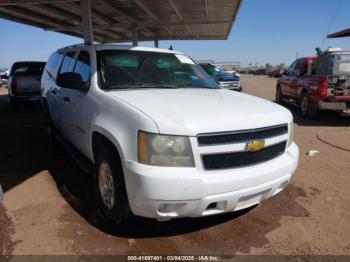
<point>66,99</point>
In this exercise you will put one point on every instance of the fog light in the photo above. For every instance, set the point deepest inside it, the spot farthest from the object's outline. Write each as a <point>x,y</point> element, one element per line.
<point>161,207</point>
<point>170,209</point>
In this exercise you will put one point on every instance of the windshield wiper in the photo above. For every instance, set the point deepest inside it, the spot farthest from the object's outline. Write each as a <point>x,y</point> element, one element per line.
<point>142,85</point>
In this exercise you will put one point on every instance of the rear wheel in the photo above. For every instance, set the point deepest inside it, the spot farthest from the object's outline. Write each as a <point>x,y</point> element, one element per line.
<point>110,186</point>
<point>306,108</point>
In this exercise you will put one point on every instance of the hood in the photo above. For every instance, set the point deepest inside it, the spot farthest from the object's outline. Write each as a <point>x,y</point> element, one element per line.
<point>192,111</point>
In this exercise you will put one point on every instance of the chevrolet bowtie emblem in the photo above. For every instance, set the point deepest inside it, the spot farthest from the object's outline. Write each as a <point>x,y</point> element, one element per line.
<point>255,145</point>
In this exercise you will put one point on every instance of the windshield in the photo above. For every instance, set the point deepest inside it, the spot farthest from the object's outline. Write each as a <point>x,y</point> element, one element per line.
<point>122,69</point>
<point>219,72</point>
<point>215,71</point>
<point>28,69</point>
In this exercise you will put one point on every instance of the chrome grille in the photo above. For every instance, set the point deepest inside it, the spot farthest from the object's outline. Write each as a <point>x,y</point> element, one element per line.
<point>241,136</point>
<point>239,159</point>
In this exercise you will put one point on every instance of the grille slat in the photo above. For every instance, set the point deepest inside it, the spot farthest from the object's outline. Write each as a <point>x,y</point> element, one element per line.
<point>239,159</point>
<point>241,136</point>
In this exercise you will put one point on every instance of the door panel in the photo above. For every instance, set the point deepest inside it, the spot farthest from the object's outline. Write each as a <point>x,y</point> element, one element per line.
<point>287,79</point>
<point>76,104</point>
<point>61,103</point>
<point>297,81</point>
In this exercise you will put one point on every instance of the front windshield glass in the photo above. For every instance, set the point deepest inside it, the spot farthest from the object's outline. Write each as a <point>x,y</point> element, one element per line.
<point>214,71</point>
<point>219,72</point>
<point>124,69</point>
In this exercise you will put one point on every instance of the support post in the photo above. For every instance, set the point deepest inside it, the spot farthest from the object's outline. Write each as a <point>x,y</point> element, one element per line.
<point>87,22</point>
<point>135,36</point>
<point>156,43</point>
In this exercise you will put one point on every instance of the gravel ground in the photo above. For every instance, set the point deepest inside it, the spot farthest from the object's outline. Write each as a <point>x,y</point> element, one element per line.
<point>48,206</point>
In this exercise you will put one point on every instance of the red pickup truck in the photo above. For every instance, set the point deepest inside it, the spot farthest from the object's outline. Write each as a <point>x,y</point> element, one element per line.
<point>317,83</point>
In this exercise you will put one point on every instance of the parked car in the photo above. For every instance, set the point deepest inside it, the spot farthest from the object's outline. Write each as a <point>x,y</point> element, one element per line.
<point>3,78</point>
<point>24,81</point>
<point>277,73</point>
<point>161,139</point>
<point>317,83</point>
<point>222,78</point>
<point>3,81</point>
<point>260,71</point>
<point>236,73</point>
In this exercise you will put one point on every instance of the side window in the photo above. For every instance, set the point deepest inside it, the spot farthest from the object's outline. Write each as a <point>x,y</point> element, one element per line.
<point>67,62</point>
<point>297,68</point>
<point>51,66</point>
<point>82,66</point>
<point>291,68</point>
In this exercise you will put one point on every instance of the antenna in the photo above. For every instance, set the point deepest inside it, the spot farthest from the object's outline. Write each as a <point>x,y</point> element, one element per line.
<point>331,22</point>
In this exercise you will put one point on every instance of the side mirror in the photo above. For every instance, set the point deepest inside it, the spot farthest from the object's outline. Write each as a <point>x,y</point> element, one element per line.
<point>285,72</point>
<point>72,81</point>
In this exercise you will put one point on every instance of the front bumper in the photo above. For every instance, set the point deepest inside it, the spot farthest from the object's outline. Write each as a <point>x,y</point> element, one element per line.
<point>166,192</point>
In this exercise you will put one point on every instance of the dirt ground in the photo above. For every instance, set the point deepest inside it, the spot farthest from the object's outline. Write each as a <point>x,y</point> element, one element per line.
<point>48,206</point>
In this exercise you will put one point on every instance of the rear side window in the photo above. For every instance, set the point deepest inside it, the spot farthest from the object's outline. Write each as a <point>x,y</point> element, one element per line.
<point>67,62</point>
<point>51,66</point>
<point>82,65</point>
<point>27,69</point>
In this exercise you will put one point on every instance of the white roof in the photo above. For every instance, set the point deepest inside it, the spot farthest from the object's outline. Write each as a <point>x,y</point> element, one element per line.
<point>133,48</point>
<point>120,47</point>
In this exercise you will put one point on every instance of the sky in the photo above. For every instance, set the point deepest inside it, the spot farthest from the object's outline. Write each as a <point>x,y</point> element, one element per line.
<point>265,31</point>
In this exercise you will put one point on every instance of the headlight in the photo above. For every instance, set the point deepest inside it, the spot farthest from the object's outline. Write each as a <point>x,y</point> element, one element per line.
<point>291,134</point>
<point>164,150</point>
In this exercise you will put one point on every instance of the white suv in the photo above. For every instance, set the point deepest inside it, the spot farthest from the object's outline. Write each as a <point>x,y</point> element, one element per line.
<point>161,138</point>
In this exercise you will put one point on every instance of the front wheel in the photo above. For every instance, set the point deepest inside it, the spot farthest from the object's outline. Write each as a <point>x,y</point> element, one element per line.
<point>306,108</point>
<point>110,186</point>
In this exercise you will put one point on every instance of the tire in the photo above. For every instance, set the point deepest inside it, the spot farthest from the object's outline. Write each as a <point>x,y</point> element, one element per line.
<point>279,96</point>
<point>306,110</point>
<point>110,188</point>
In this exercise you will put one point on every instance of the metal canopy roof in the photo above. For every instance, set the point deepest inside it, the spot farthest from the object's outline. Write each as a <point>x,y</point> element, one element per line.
<point>342,33</point>
<point>120,20</point>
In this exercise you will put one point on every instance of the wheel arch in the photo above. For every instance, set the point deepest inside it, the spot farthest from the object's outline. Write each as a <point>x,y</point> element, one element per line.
<point>100,136</point>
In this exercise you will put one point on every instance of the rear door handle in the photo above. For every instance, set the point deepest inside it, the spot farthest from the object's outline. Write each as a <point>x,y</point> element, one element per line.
<point>66,99</point>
